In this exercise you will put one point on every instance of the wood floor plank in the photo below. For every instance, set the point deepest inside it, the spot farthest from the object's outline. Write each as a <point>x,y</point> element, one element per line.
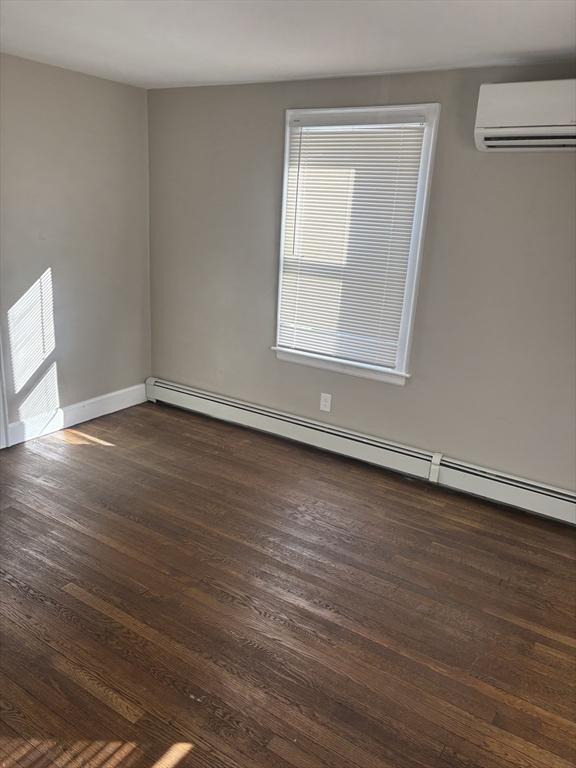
<point>176,587</point>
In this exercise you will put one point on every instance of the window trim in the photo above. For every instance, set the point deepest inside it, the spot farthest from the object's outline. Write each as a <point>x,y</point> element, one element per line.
<point>365,370</point>
<point>428,114</point>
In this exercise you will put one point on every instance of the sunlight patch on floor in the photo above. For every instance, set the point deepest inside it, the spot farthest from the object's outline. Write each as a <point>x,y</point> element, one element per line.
<point>85,754</point>
<point>78,754</point>
<point>75,437</point>
<point>173,756</point>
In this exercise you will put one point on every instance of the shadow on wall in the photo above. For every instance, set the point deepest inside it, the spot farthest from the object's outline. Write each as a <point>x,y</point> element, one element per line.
<point>32,347</point>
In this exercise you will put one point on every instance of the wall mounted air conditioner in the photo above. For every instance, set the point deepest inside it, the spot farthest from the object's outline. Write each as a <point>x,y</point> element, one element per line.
<point>526,116</point>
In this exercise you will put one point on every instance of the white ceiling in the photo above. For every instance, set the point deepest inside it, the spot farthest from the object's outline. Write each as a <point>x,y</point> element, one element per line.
<point>156,43</point>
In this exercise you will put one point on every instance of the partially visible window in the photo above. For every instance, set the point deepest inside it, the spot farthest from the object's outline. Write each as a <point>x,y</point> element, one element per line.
<point>355,190</point>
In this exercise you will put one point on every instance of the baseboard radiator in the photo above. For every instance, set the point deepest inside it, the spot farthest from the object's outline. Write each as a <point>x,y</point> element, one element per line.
<point>434,467</point>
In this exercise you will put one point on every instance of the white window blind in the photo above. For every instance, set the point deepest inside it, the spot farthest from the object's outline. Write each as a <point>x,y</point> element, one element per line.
<point>354,200</point>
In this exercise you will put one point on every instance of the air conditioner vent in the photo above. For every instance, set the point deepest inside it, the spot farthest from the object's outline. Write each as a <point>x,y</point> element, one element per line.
<point>543,141</point>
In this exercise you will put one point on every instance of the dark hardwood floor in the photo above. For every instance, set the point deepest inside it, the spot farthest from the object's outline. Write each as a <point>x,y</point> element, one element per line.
<point>181,592</point>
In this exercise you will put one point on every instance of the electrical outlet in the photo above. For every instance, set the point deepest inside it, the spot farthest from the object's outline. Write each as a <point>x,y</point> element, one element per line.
<point>325,402</point>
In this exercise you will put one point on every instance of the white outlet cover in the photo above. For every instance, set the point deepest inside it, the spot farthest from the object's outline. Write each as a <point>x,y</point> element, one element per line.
<point>325,402</point>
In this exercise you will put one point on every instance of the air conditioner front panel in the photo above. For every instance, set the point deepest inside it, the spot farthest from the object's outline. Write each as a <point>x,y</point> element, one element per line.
<point>526,116</point>
<point>510,105</point>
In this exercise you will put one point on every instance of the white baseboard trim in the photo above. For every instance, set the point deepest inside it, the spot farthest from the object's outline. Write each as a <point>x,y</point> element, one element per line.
<point>70,415</point>
<point>433,466</point>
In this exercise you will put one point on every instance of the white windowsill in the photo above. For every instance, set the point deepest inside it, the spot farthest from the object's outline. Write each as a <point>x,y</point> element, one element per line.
<point>333,364</point>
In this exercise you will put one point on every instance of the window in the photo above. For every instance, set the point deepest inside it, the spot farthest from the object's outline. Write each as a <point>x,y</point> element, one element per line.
<point>355,190</point>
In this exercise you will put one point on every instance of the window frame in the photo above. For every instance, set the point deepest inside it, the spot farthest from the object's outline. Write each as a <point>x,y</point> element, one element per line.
<point>428,114</point>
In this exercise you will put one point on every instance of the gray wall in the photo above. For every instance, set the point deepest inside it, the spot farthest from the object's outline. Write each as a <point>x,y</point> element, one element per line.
<point>74,197</point>
<point>493,356</point>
